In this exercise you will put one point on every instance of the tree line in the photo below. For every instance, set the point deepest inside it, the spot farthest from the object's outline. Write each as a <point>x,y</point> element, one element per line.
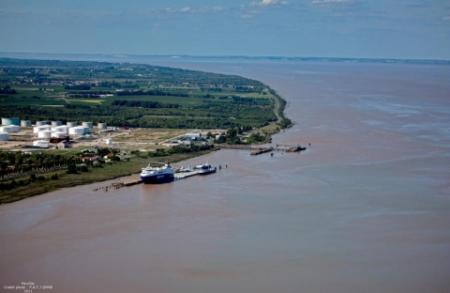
<point>143,104</point>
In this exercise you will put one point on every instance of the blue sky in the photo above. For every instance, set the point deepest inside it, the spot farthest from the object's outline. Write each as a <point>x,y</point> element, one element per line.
<point>330,28</point>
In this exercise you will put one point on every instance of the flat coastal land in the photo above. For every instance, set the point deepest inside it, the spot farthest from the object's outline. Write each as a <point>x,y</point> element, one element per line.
<point>143,109</point>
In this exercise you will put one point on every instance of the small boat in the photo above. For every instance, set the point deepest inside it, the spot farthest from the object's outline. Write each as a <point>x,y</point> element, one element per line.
<point>184,170</point>
<point>261,151</point>
<point>156,175</point>
<point>205,169</point>
<point>296,149</point>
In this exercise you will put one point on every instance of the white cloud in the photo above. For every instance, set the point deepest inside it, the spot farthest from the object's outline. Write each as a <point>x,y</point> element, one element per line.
<point>331,1</point>
<point>268,2</point>
<point>185,9</point>
<point>191,10</point>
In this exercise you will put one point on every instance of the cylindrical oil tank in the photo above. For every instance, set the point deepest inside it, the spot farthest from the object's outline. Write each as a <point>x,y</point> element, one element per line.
<point>78,130</point>
<point>87,124</point>
<point>44,134</point>
<point>59,134</point>
<point>11,121</point>
<point>25,123</point>
<point>101,126</point>
<point>61,128</point>
<point>71,124</point>
<point>41,123</point>
<point>36,129</point>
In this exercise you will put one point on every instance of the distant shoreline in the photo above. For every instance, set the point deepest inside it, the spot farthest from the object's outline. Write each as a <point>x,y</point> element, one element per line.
<point>130,57</point>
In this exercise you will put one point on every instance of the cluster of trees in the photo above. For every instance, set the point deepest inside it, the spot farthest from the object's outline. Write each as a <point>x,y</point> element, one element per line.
<point>16,164</point>
<point>180,149</point>
<point>151,93</point>
<point>257,138</point>
<point>143,104</point>
<point>79,87</point>
<point>7,90</point>
<point>232,136</point>
<point>31,167</point>
<point>87,95</point>
<point>25,181</point>
<point>210,114</point>
<point>250,101</point>
<point>19,162</point>
<point>117,85</point>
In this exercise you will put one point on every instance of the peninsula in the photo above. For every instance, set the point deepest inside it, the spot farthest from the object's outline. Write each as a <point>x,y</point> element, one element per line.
<point>95,121</point>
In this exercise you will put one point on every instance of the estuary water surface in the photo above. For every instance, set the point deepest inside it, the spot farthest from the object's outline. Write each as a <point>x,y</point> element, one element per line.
<point>365,209</point>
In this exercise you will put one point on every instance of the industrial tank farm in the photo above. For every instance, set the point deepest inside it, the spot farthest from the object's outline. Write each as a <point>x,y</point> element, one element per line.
<point>45,134</point>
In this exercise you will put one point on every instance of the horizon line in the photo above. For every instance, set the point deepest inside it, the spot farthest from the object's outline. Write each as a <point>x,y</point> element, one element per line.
<point>116,55</point>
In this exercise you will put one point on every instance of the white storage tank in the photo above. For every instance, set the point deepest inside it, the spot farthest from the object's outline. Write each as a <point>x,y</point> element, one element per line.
<point>71,124</point>
<point>25,123</point>
<point>4,136</point>
<point>10,121</point>
<point>87,124</point>
<point>78,130</point>
<point>40,143</point>
<point>61,128</point>
<point>36,129</point>
<point>41,123</point>
<point>101,126</point>
<point>9,128</point>
<point>59,134</point>
<point>44,134</point>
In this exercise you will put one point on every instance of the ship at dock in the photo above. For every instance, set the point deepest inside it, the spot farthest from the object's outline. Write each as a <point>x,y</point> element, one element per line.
<point>205,169</point>
<point>155,175</point>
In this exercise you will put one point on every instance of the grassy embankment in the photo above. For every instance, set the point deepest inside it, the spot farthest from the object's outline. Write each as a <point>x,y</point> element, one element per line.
<point>107,172</point>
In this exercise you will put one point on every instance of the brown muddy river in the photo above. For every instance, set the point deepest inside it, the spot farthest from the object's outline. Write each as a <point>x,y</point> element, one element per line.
<point>365,209</point>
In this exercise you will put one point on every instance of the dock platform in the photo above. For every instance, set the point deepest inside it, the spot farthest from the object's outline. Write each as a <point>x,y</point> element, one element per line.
<point>132,181</point>
<point>258,150</point>
<point>184,175</point>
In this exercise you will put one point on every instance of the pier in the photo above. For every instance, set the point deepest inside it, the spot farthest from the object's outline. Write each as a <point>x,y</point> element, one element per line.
<point>132,181</point>
<point>254,151</point>
<point>135,179</point>
<point>258,150</point>
<point>184,175</point>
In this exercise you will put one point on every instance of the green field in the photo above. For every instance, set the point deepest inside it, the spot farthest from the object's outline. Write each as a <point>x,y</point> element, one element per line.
<point>134,95</point>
